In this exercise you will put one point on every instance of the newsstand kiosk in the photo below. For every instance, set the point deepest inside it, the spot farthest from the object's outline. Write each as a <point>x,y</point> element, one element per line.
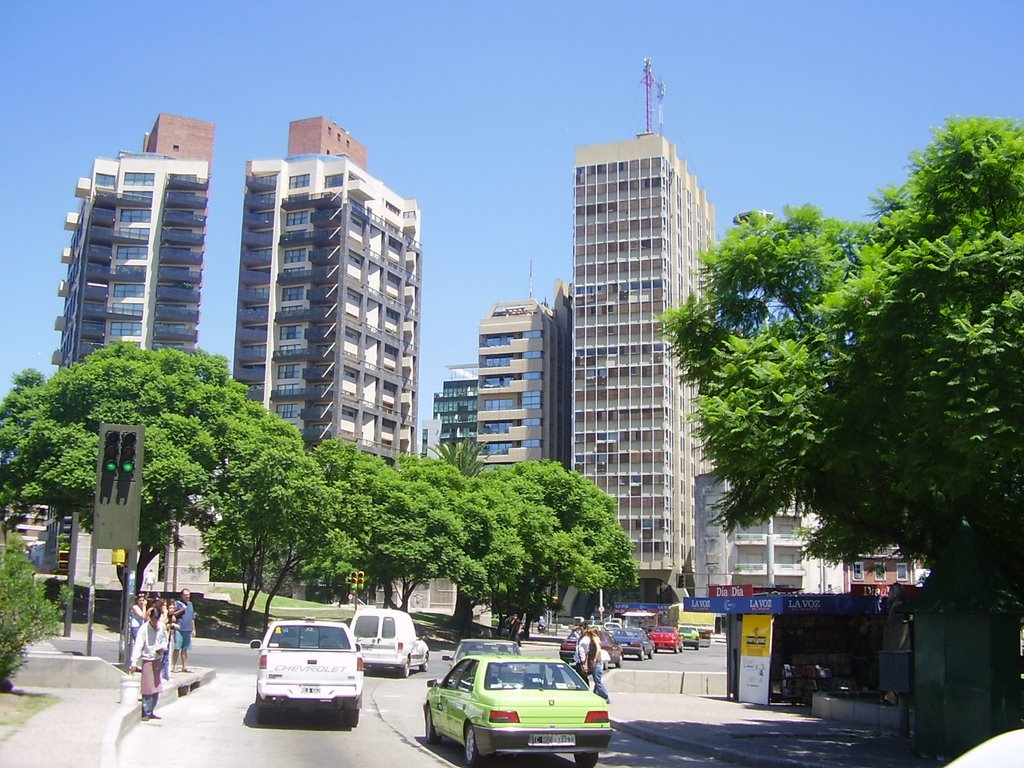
<point>784,647</point>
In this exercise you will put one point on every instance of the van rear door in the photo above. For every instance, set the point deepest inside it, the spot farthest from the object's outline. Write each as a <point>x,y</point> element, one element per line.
<point>378,637</point>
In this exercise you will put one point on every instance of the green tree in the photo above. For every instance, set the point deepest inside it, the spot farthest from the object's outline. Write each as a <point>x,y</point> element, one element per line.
<point>870,373</point>
<point>49,434</point>
<point>269,497</point>
<point>463,455</point>
<point>26,616</point>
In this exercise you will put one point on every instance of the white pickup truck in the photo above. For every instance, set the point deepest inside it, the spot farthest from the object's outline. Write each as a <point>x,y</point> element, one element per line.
<point>308,664</point>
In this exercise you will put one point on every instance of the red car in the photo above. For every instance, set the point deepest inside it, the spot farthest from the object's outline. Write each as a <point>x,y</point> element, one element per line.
<point>665,639</point>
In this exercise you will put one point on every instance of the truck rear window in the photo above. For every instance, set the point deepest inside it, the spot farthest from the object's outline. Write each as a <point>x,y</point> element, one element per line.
<point>323,638</point>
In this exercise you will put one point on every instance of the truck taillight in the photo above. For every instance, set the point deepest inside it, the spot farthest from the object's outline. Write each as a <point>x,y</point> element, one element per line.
<point>359,664</point>
<point>504,716</point>
<point>597,716</point>
<point>263,661</point>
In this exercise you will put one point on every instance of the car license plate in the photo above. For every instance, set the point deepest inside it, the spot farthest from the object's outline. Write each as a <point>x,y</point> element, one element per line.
<point>311,690</point>
<point>553,740</point>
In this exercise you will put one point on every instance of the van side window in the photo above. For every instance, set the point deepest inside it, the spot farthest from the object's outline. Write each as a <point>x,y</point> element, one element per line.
<point>388,629</point>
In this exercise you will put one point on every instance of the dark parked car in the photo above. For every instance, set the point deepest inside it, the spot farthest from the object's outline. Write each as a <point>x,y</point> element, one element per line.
<point>609,643</point>
<point>634,642</point>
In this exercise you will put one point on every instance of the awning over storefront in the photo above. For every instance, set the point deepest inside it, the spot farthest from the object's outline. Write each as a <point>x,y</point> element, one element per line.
<point>790,604</point>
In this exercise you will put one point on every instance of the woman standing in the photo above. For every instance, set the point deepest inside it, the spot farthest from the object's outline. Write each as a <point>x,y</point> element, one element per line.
<point>147,657</point>
<point>138,616</point>
<point>596,661</point>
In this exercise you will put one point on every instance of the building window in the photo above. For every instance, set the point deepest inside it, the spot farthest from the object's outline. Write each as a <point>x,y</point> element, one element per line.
<point>334,180</point>
<point>497,362</point>
<point>288,371</point>
<point>531,443</point>
<point>125,252</point>
<point>291,332</point>
<point>532,375</point>
<point>532,400</point>
<point>879,571</point>
<point>857,572</point>
<point>296,217</point>
<point>288,410</point>
<point>138,179</point>
<point>532,354</point>
<point>106,180</point>
<point>495,427</point>
<point>293,293</point>
<point>293,255</point>
<point>533,422</point>
<point>533,334</point>
<point>298,182</point>
<point>129,291</point>
<point>496,449</point>
<point>135,215</point>
<point>902,572</point>
<point>503,404</point>
<point>135,310</point>
<point>119,328</point>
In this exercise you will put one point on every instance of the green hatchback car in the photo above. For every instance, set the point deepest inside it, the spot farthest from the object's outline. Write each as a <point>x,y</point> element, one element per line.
<point>690,637</point>
<point>500,705</point>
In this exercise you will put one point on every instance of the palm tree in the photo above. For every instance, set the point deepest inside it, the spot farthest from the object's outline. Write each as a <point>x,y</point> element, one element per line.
<point>463,455</point>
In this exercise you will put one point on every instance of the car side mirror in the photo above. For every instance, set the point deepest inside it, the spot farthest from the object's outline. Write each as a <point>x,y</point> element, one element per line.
<point>446,657</point>
<point>432,683</point>
<point>255,644</point>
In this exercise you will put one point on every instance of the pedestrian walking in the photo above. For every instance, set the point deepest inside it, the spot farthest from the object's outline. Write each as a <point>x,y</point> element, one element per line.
<point>138,615</point>
<point>596,660</point>
<point>580,657</point>
<point>147,659</point>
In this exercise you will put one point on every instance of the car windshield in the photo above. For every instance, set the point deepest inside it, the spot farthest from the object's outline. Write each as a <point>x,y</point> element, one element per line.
<point>303,636</point>
<point>467,647</point>
<point>532,675</point>
<point>666,630</point>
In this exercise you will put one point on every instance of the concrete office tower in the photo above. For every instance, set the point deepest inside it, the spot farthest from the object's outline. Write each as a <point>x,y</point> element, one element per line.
<point>328,326</point>
<point>525,380</point>
<point>135,263</point>
<point>640,222</point>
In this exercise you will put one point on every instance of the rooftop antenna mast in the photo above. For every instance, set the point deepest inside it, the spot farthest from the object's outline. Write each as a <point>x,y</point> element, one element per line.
<point>648,82</point>
<point>661,107</point>
<point>531,278</point>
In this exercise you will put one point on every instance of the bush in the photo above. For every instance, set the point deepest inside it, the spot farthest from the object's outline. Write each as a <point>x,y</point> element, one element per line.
<point>26,616</point>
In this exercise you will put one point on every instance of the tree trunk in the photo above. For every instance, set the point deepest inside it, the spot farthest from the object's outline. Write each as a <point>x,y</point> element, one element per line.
<point>462,619</point>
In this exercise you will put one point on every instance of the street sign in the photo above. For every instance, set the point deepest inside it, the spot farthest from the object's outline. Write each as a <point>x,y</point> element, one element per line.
<point>118,494</point>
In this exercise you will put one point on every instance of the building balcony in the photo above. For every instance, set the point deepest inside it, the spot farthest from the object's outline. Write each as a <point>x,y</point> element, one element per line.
<point>253,258</point>
<point>319,373</point>
<point>296,354</point>
<point>252,296</point>
<point>261,183</point>
<point>323,296</point>
<point>317,413</point>
<point>65,255</point>
<point>60,323</point>
<point>181,237</point>
<point>359,190</point>
<point>308,393</point>
<point>250,355</point>
<point>256,392</point>
<point>303,315</point>
<point>162,333</point>
<point>258,220</point>
<point>254,277</point>
<point>130,235</point>
<point>169,294</point>
<point>330,217</point>
<point>101,235</point>
<point>250,334</point>
<point>101,217</point>
<point>790,569</point>
<point>192,200</point>
<point>327,200</point>
<point>99,254</point>
<point>754,539</point>
<point>319,237</point>
<point>128,274</point>
<point>71,221</point>
<point>316,434</point>
<point>296,202</point>
<point>254,316</point>
<point>324,257</point>
<point>247,374</point>
<point>172,313</point>
<point>260,202</point>
<point>757,569</point>
<point>187,182</point>
<point>96,293</point>
<point>93,332</point>
<point>180,257</point>
<point>179,275</point>
<point>322,334</point>
<point>83,187</point>
<point>183,219</point>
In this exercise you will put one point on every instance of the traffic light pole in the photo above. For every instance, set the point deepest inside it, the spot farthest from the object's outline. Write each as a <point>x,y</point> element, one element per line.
<point>90,611</point>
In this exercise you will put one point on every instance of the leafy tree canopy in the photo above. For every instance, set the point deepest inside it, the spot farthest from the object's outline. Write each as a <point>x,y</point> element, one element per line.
<point>871,373</point>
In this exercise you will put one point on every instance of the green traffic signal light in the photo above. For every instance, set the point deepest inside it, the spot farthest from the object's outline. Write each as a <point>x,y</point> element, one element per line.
<point>129,442</point>
<point>111,450</point>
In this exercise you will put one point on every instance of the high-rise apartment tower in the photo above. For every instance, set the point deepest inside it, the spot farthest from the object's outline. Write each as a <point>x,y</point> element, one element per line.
<point>640,221</point>
<point>525,380</point>
<point>135,263</point>
<point>328,324</point>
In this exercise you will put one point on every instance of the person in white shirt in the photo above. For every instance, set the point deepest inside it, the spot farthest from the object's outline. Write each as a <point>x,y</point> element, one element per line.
<point>582,653</point>
<point>148,658</point>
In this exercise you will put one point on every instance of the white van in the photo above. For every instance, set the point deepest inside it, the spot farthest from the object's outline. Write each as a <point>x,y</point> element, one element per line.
<point>387,638</point>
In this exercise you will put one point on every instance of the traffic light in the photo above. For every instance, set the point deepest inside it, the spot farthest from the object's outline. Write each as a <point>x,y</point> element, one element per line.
<point>352,578</point>
<point>118,557</point>
<point>109,461</point>
<point>360,579</point>
<point>62,562</point>
<point>118,494</point>
<point>129,448</point>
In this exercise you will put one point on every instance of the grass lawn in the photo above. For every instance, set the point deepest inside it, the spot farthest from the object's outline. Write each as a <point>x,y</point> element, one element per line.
<point>17,708</point>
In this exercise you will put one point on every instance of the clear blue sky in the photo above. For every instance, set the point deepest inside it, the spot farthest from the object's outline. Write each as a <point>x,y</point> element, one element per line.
<point>475,109</point>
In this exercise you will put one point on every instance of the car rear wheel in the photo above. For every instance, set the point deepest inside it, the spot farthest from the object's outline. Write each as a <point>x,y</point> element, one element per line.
<point>426,660</point>
<point>404,671</point>
<point>586,759</point>
<point>433,737</point>
<point>473,757</point>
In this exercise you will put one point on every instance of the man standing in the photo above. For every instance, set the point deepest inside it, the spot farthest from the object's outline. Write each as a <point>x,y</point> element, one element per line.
<point>185,617</point>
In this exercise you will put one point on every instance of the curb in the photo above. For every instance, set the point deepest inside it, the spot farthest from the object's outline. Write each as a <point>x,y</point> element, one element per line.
<point>127,715</point>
